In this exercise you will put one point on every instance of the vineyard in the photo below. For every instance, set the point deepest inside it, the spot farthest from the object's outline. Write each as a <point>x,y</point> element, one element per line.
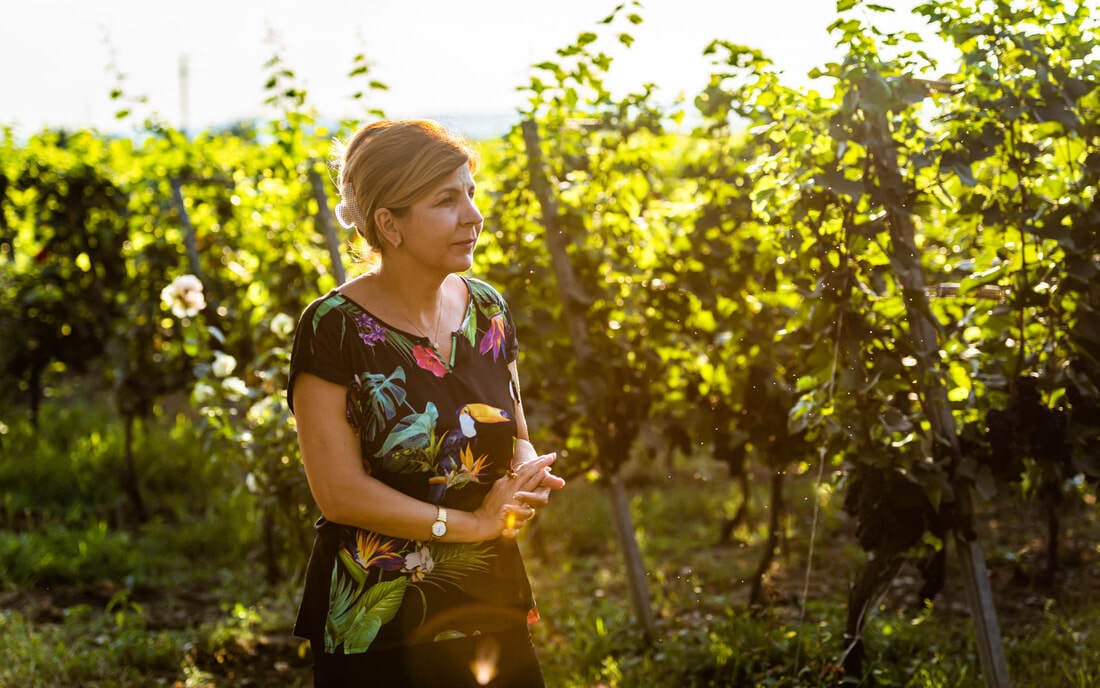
<point>822,366</point>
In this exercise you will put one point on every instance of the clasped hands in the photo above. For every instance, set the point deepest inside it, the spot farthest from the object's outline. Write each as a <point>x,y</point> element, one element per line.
<point>515,498</point>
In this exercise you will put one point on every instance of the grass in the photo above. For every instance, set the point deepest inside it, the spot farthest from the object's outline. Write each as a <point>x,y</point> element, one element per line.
<point>90,647</point>
<point>708,637</point>
<point>125,643</point>
<point>89,600</point>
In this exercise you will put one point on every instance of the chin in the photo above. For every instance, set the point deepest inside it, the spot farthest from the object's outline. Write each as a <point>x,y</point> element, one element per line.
<point>460,265</point>
<point>463,261</point>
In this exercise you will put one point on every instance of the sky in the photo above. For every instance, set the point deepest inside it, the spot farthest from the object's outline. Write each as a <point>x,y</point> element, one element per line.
<point>438,57</point>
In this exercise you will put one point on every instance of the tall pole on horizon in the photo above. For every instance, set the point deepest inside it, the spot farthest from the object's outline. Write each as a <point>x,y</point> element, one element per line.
<point>185,87</point>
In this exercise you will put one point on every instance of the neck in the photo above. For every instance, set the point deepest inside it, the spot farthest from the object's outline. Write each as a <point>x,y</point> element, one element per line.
<point>420,298</point>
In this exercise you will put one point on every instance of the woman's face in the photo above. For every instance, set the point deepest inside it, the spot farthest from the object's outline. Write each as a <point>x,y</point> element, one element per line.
<point>440,230</point>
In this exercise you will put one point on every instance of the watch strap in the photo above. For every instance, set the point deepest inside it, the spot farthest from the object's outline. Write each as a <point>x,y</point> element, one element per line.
<point>440,520</point>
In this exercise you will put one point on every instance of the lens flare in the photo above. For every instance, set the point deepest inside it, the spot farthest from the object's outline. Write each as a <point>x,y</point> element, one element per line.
<point>486,661</point>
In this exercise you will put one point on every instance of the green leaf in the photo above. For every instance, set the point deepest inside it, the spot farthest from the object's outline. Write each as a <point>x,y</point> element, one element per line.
<point>449,634</point>
<point>962,170</point>
<point>469,326</point>
<point>801,414</point>
<point>411,432</point>
<point>838,183</point>
<point>848,26</point>
<point>401,342</point>
<point>323,308</point>
<point>357,624</point>
<point>384,395</point>
<point>191,339</point>
<point>972,282</point>
<point>351,568</point>
<point>342,595</point>
<point>455,561</point>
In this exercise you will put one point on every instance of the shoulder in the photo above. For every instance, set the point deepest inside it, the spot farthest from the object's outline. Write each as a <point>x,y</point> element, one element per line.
<point>323,314</point>
<point>494,319</point>
<point>484,294</point>
<point>321,306</point>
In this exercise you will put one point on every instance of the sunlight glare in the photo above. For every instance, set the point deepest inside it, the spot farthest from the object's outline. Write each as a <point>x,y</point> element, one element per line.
<point>485,664</point>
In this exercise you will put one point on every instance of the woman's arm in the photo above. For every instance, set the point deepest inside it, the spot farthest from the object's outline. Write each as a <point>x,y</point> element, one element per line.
<point>347,494</point>
<point>525,453</point>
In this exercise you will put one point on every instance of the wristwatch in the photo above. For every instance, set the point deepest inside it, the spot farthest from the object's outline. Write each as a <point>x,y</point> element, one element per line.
<point>439,528</point>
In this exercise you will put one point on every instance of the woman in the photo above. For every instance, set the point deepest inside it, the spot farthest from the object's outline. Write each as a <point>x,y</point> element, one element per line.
<point>404,387</point>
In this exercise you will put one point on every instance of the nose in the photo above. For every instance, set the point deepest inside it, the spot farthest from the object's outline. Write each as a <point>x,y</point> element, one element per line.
<point>472,215</point>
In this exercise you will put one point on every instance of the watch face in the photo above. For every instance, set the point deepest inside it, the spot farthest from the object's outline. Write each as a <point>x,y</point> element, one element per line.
<point>439,528</point>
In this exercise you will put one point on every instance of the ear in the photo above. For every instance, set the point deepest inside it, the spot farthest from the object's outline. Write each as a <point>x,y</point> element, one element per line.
<point>386,223</point>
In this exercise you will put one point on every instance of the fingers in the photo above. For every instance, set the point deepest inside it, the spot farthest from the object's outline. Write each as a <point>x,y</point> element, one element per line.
<point>524,451</point>
<point>551,481</point>
<point>517,514</point>
<point>530,483</point>
<point>536,472</point>
<point>537,498</point>
<point>515,517</point>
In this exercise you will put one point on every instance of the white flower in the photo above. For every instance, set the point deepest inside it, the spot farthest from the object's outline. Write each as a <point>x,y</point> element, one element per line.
<point>201,393</point>
<point>184,296</point>
<point>251,484</point>
<point>223,364</point>
<point>235,385</point>
<point>258,412</point>
<point>419,564</point>
<point>282,325</point>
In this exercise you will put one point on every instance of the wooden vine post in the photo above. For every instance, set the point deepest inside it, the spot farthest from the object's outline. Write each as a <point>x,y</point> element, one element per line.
<point>324,223</point>
<point>905,260</point>
<point>189,240</point>
<point>573,304</point>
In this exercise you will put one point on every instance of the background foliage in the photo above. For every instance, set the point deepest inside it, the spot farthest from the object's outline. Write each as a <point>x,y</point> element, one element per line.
<point>716,305</point>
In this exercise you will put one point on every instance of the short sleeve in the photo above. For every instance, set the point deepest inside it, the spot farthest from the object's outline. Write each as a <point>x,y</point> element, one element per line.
<point>493,309</point>
<point>319,345</point>
<point>511,341</point>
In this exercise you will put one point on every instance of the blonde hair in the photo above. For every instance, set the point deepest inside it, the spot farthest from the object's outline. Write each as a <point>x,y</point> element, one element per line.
<point>391,164</point>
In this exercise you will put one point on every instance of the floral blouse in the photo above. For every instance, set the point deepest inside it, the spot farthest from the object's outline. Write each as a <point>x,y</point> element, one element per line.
<point>439,431</point>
